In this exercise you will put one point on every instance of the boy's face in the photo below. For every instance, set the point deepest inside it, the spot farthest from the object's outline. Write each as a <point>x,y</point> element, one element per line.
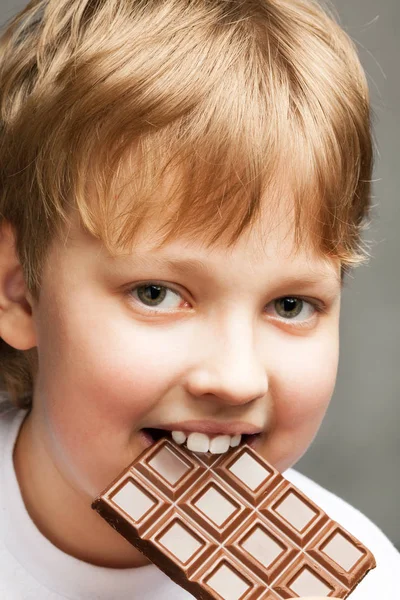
<point>206,348</point>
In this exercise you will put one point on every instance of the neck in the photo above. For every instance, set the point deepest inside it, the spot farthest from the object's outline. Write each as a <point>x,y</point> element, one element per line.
<point>62,514</point>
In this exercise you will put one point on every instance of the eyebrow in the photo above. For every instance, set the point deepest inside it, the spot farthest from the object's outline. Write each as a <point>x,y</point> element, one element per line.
<point>188,266</point>
<point>184,266</point>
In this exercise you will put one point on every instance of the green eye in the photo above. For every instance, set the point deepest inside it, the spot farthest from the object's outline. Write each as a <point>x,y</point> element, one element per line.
<point>151,295</point>
<point>288,308</point>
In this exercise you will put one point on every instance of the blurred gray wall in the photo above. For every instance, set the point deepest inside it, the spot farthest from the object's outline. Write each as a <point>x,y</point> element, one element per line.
<point>357,451</point>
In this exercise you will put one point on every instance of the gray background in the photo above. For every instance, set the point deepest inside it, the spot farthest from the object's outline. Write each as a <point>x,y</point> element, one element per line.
<point>357,451</point>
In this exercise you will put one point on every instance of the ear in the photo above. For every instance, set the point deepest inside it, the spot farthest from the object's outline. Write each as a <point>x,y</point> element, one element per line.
<point>16,321</point>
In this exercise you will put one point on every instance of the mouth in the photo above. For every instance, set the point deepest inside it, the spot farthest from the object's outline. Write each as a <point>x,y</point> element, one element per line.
<point>200,442</point>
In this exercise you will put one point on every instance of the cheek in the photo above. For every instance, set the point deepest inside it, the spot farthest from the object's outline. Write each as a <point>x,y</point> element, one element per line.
<point>115,365</point>
<point>305,383</point>
<point>301,389</point>
<point>99,378</point>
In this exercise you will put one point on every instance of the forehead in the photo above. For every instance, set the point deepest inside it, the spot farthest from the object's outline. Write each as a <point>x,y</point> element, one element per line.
<point>268,247</point>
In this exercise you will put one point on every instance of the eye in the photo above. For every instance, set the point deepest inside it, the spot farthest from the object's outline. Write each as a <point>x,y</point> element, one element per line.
<point>154,295</point>
<point>294,309</point>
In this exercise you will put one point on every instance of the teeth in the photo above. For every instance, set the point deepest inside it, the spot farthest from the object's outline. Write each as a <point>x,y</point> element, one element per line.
<point>179,437</point>
<point>200,442</point>
<point>235,440</point>
<point>220,444</point>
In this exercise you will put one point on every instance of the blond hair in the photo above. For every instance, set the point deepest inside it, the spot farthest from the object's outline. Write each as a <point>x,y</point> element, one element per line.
<point>230,94</point>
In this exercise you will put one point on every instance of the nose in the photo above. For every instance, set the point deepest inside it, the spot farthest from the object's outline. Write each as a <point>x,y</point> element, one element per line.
<point>229,364</point>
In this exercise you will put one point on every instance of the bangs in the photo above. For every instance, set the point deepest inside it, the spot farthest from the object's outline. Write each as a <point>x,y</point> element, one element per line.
<point>242,118</point>
<point>209,175</point>
<point>200,177</point>
<point>201,113</point>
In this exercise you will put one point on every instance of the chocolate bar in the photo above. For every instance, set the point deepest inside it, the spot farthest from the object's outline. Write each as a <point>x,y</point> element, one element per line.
<point>231,527</point>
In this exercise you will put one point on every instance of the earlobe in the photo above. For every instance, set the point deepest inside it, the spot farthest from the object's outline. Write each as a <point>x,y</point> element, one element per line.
<point>16,321</point>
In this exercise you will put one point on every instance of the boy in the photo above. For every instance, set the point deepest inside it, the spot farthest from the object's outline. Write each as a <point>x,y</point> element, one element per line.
<point>183,187</point>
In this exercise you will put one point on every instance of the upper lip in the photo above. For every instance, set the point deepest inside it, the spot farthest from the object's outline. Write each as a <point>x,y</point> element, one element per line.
<point>212,427</point>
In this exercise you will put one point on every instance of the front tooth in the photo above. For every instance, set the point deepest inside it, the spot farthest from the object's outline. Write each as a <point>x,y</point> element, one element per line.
<point>235,440</point>
<point>220,444</point>
<point>198,442</point>
<point>179,437</point>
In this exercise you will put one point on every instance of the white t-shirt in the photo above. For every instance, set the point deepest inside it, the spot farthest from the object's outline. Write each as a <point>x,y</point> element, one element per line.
<point>31,568</point>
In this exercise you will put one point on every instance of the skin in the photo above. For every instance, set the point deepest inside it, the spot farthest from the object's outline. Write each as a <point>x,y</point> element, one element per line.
<point>217,349</point>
